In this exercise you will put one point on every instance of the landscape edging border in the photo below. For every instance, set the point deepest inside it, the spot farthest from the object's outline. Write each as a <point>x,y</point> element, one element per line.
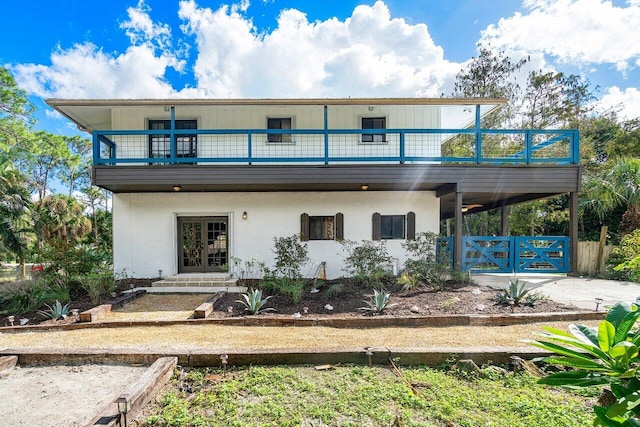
<point>338,322</point>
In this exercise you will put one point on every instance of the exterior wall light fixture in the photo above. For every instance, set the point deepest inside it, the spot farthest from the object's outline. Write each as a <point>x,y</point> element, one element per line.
<point>244,215</point>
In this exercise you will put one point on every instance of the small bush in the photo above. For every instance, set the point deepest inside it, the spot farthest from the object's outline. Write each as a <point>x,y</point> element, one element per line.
<point>291,288</point>
<point>98,285</point>
<point>291,255</point>
<point>335,290</point>
<point>22,297</point>
<point>243,270</point>
<point>369,263</point>
<point>421,265</point>
<point>621,262</point>
<point>57,290</point>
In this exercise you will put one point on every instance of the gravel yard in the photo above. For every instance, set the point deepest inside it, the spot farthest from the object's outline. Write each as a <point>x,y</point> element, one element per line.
<point>211,336</point>
<point>60,395</point>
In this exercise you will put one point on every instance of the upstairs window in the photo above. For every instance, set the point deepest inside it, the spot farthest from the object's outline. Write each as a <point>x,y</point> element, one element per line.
<point>374,123</point>
<point>279,123</point>
<point>160,145</point>
<point>326,227</point>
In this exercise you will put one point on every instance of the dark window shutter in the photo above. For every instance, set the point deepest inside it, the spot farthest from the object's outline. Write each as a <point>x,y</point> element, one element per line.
<point>411,226</point>
<point>339,226</point>
<point>304,227</point>
<point>376,221</point>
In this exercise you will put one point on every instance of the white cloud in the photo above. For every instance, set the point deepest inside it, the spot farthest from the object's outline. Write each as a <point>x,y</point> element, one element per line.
<point>626,102</point>
<point>369,54</point>
<point>574,31</point>
<point>141,29</point>
<point>86,71</point>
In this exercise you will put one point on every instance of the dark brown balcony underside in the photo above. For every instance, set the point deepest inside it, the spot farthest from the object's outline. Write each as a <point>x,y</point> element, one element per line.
<point>489,186</point>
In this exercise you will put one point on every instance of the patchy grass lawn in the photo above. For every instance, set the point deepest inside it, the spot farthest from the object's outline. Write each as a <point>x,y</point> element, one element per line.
<point>362,396</point>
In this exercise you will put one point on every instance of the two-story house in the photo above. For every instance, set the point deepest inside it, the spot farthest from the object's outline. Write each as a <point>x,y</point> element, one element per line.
<point>196,182</point>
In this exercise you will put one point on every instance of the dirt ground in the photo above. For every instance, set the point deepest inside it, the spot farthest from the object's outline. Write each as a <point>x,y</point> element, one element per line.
<point>158,307</point>
<point>60,395</point>
<point>455,299</point>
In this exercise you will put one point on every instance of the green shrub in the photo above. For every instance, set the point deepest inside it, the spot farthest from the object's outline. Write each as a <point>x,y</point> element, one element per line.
<point>621,264</point>
<point>98,285</point>
<point>57,290</point>
<point>335,290</point>
<point>421,264</point>
<point>369,263</point>
<point>251,269</point>
<point>22,297</point>
<point>79,260</point>
<point>284,286</point>
<point>291,254</point>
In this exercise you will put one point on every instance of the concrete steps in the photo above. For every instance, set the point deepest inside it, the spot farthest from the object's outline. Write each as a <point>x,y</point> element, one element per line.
<point>197,283</point>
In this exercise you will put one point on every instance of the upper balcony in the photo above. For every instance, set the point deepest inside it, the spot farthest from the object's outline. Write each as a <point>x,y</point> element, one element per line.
<point>324,145</point>
<point>335,146</point>
<point>310,132</point>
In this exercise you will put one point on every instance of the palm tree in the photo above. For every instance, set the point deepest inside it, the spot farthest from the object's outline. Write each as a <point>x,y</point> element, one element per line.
<point>60,221</point>
<point>615,186</point>
<point>15,208</point>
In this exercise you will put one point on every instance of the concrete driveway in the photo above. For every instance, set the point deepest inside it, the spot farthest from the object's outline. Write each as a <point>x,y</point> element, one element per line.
<point>578,291</point>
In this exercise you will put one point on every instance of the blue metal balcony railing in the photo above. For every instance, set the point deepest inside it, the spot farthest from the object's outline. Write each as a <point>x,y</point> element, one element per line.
<point>331,146</point>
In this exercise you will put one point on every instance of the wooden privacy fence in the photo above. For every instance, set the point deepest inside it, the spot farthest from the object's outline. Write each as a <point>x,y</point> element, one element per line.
<point>588,257</point>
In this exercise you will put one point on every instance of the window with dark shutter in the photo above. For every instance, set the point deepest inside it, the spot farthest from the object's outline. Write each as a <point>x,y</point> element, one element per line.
<point>322,227</point>
<point>393,227</point>
<point>339,226</point>
<point>304,227</point>
<point>411,226</point>
<point>376,221</point>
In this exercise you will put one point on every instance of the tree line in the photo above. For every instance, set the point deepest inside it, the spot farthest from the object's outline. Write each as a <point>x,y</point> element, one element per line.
<point>609,147</point>
<point>48,208</point>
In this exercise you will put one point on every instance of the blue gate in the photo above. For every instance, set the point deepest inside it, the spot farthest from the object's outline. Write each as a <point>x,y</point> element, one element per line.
<point>541,254</point>
<point>518,254</point>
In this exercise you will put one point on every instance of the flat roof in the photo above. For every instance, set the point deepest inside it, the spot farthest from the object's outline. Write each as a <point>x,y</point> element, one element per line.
<point>95,114</point>
<point>58,102</point>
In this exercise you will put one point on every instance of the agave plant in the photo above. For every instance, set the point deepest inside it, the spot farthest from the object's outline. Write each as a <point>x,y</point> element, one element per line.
<point>253,301</point>
<point>516,291</point>
<point>56,311</point>
<point>379,301</point>
<point>607,354</point>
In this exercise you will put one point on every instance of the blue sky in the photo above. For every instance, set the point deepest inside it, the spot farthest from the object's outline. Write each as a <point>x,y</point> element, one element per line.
<point>279,48</point>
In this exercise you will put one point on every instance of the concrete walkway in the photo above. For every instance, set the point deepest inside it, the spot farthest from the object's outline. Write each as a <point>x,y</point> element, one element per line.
<point>578,291</point>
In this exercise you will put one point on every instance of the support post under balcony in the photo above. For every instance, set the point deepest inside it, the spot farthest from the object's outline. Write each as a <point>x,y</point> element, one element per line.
<point>573,233</point>
<point>172,149</point>
<point>457,241</point>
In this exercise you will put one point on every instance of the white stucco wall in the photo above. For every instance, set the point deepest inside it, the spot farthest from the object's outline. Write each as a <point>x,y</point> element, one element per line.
<point>145,224</point>
<point>303,117</point>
